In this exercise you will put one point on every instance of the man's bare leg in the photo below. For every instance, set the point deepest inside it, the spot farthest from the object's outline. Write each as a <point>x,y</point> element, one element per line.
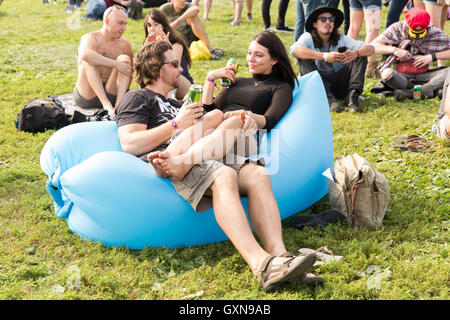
<point>207,8</point>
<point>118,83</point>
<point>254,182</point>
<point>90,85</point>
<point>231,217</point>
<point>199,30</point>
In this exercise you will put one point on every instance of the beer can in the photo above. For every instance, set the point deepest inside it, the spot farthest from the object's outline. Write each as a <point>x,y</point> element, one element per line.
<point>417,93</point>
<point>226,83</point>
<point>195,93</point>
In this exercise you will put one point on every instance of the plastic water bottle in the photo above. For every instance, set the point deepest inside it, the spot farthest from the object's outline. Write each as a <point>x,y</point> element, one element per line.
<point>434,129</point>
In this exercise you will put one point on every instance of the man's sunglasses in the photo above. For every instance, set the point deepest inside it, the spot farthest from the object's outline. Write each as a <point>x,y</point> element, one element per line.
<point>175,63</point>
<point>324,19</point>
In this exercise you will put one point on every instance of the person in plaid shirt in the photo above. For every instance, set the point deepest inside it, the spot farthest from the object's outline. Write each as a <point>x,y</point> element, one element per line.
<point>413,45</point>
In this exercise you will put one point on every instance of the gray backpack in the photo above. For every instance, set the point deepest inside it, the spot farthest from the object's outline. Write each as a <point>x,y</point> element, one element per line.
<point>360,192</point>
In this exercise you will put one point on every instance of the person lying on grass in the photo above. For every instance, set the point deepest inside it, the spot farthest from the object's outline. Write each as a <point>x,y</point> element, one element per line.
<point>147,120</point>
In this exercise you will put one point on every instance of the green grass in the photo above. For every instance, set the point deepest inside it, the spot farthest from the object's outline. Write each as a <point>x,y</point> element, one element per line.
<point>40,258</point>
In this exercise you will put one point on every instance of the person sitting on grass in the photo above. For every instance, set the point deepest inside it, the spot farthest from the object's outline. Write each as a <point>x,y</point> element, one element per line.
<point>318,49</point>
<point>147,118</point>
<point>413,45</point>
<point>104,64</point>
<point>184,18</point>
<point>443,127</point>
<point>157,28</point>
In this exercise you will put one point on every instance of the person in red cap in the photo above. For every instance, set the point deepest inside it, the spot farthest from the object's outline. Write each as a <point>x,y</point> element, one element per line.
<point>413,45</point>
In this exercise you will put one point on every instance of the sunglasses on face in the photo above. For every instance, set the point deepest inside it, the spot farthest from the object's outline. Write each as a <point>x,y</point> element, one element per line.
<point>175,63</point>
<point>324,19</point>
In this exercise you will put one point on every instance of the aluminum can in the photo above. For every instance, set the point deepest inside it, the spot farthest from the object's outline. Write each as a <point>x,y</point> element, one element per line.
<point>195,93</point>
<point>226,83</point>
<point>417,93</point>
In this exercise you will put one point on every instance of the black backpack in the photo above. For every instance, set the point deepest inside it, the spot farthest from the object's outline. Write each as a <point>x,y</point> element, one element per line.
<point>41,114</point>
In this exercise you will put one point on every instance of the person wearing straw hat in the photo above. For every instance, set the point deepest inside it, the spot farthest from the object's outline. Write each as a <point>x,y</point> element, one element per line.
<point>318,49</point>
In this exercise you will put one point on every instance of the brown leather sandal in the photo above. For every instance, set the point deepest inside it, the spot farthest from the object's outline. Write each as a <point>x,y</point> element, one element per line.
<point>306,278</point>
<point>288,271</point>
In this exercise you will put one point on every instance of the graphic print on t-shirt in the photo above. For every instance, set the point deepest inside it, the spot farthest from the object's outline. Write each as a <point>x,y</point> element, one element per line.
<point>168,112</point>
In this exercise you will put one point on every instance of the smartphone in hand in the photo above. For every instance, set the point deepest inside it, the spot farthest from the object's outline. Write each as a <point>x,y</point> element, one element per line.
<point>342,49</point>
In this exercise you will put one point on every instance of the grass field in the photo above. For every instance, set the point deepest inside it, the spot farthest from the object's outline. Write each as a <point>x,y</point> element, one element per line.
<point>40,258</point>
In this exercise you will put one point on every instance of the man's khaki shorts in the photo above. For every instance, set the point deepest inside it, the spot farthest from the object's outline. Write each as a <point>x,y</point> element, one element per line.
<point>193,186</point>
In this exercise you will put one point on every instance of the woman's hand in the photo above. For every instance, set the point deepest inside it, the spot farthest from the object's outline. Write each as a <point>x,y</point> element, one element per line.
<point>250,127</point>
<point>157,36</point>
<point>223,73</point>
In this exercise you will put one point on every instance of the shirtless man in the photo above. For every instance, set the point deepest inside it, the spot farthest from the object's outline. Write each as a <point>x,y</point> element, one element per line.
<point>104,64</point>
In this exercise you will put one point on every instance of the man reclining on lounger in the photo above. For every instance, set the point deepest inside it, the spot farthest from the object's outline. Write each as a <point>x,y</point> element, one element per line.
<point>104,64</point>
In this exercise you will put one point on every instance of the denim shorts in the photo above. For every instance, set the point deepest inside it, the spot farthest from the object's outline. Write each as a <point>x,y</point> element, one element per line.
<point>432,2</point>
<point>358,5</point>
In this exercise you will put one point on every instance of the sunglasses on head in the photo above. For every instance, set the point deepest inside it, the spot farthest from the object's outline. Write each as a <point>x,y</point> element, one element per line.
<point>175,63</point>
<point>324,19</point>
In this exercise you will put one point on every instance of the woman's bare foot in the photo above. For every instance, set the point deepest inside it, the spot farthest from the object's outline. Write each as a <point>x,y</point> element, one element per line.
<point>174,166</point>
<point>152,156</point>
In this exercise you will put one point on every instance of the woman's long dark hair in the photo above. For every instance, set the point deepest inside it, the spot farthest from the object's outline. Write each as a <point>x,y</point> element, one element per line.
<point>318,43</point>
<point>283,68</point>
<point>174,36</point>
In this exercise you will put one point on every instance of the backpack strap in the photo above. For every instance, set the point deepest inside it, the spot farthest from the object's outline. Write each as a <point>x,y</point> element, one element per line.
<point>354,189</point>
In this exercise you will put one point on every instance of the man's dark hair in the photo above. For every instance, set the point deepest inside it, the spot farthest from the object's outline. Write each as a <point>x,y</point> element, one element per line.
<point>318,43</point>
<point>149,61</point>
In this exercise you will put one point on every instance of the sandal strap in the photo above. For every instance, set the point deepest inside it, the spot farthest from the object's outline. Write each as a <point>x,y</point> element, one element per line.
<point>267,268</point>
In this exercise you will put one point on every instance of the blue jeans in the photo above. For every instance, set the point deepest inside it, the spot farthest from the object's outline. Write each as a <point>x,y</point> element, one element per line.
<point>299,21</point>
<point>95,9</point>
<point>395,10</point>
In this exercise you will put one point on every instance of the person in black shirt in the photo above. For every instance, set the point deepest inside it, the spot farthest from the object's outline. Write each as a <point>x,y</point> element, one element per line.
<point>147,118</point>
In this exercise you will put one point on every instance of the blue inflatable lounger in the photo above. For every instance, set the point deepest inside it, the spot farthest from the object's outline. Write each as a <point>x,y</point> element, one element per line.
<point>113,197</point>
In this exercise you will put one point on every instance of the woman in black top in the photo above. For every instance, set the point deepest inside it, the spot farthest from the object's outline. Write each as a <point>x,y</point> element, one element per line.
<point>157,28</point>
<point>268,94</point>
<point>248,105</point>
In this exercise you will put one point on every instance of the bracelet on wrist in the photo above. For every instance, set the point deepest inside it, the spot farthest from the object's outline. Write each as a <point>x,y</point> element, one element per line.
<point>212,81</point>
<point>174,124</point>
<point>325,56</point>
<point>395,52</point>
<point>433,56</point>
<point>357,54</point>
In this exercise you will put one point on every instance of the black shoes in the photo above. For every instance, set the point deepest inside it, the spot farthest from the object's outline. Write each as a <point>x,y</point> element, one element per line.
<point>352,101</point>
<point>284,29</point>
<point>334,105</point>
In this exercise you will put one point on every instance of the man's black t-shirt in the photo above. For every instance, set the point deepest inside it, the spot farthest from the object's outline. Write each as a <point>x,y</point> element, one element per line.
<point>144,106</point>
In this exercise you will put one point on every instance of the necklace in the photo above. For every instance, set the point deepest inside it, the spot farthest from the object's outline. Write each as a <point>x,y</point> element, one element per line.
<point>257,83</point>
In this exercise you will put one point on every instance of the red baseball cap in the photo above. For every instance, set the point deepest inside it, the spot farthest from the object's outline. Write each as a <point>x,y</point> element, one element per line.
<point>418,21</point>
